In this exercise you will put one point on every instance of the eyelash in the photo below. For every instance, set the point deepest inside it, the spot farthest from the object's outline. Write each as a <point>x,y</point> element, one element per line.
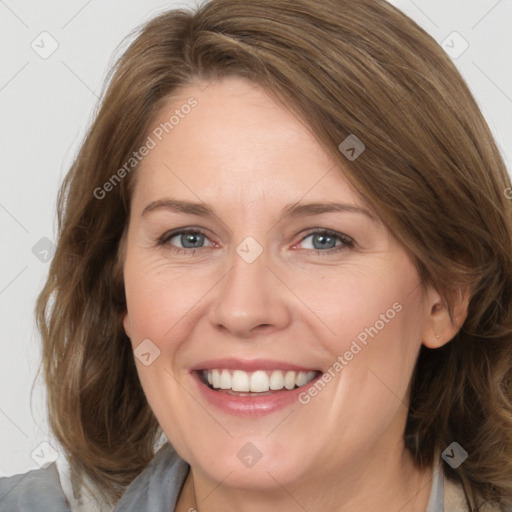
<point>347,242</point>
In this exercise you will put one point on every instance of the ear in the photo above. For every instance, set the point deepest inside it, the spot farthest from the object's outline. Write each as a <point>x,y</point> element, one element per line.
<point>126,324</point>
<point>439,327</point>
<point>118,274</point>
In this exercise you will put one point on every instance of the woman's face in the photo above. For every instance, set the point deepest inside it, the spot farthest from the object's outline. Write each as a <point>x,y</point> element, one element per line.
<point>228,267</point>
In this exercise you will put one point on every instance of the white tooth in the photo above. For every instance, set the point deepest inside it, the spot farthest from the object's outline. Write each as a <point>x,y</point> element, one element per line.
<point>240,381</point>
<point>300,380</point>
<point>289,380</point>
<point>225,380</point>
<point>259,381</point>
<point>310,376</point>
<point>276,380</point>
<point>215,379</point>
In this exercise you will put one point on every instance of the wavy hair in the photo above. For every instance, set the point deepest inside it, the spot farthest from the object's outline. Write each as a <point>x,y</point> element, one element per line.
<point>431,170</point>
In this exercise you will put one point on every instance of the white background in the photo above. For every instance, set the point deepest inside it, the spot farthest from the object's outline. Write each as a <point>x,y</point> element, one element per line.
<point>46,105</point>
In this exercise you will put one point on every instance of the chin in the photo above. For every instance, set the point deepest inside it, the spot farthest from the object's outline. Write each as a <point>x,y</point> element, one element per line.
<point>248,462</point>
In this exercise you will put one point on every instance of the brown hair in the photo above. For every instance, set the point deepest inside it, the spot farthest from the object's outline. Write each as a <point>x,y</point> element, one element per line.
<point>431,170</point>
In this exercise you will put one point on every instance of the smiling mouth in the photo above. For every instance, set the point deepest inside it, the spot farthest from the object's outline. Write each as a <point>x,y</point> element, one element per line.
<point>257,383</point>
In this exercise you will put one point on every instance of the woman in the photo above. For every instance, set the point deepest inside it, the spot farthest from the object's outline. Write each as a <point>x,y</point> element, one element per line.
<point>270,369</point>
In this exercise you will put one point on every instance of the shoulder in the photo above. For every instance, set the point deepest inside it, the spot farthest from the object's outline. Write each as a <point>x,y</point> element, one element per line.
<point>33,491</point>
<point>155,489</point>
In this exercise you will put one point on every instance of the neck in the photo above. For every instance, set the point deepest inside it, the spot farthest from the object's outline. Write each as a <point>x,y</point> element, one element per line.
<point>370,484</point>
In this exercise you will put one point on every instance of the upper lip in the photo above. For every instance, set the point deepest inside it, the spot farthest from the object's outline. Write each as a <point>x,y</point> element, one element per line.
<point>250,365</point>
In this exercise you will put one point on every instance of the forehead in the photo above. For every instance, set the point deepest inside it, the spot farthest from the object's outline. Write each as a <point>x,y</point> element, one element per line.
<point>236,143</point>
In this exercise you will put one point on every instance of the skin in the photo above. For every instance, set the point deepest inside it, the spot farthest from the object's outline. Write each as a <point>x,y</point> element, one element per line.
<point>248,157</point>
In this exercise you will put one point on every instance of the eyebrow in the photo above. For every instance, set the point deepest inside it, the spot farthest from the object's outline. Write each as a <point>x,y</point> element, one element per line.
<point>293,210</point>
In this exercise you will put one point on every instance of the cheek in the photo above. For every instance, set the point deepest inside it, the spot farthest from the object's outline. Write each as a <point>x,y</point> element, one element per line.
<point>158,296</point>
<point>374,318</point>
<point>378,301</point>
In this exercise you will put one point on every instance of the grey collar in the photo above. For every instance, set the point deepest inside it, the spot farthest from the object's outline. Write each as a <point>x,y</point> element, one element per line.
<point>157,488</point>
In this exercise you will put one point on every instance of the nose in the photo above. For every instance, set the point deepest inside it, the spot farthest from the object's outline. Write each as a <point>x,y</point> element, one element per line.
<point>250,299</point>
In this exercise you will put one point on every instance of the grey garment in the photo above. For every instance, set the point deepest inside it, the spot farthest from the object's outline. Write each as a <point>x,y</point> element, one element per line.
<point>156,489</point>
<point>37,490</point>
<point>436,499</point>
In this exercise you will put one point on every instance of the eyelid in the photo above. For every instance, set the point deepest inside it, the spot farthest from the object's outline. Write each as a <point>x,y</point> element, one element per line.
<point>347,241</point>
<point>326,231</point>
<point>163,239</point>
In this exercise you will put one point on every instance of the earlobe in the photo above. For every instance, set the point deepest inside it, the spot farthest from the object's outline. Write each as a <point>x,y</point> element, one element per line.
<point>440,328</point>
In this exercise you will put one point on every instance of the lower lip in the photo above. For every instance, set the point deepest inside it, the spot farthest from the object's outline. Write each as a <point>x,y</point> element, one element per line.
<point>250,405</point>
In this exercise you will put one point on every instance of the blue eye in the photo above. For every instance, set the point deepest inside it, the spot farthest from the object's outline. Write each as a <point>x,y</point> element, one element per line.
<point>188,239</point>
<point>323,241</point>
